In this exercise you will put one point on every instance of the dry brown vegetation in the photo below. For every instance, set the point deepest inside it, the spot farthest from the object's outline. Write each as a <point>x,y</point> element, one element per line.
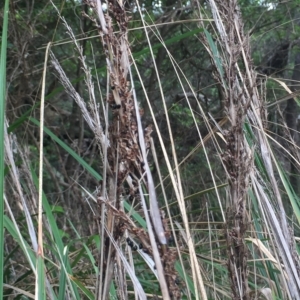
<point>163,192</point>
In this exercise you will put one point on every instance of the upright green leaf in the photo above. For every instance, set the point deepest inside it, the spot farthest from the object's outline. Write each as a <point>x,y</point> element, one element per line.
<point>40,279</point>
<point>2,124</point>
<point>65,264</point>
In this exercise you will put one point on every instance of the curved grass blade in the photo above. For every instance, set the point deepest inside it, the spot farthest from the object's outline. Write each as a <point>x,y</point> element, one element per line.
<point>82,162</point>
<point>86,292</point>
<point>136,216</point>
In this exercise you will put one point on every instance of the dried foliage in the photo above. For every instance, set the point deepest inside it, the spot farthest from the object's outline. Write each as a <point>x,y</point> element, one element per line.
<point>243,105</point>
<point>125,155</point>
<point>237,90</point>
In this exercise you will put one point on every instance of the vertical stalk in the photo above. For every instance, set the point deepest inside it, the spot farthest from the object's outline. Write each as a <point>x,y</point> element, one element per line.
<point>2,129</point>
<point>236,77</point>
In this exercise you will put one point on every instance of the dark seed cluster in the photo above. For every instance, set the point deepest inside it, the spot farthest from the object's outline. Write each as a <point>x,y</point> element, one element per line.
<point>131,244</point>
<point>115,106</point>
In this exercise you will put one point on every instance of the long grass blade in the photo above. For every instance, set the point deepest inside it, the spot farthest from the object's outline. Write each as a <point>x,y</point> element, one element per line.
<point>83,163</point>
<point>57,240</point>
<point>2,124</point>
